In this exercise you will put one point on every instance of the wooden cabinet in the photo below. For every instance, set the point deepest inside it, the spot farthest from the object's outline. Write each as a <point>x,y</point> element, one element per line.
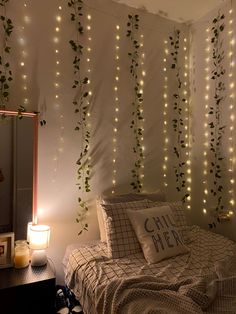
<point>29,290</point>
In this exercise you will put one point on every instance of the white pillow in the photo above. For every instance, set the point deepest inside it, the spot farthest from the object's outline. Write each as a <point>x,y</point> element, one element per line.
<point>157,233</point>
<point>179,216</point>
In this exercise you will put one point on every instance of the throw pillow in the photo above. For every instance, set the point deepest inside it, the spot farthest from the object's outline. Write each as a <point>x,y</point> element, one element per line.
<point>157,233</point>
<point>121,238</point>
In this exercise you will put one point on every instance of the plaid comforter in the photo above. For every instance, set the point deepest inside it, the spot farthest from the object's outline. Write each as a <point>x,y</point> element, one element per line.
<point>89,272</point>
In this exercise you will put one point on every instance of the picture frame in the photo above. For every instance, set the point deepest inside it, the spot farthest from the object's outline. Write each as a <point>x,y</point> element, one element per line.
<point>7,249</point>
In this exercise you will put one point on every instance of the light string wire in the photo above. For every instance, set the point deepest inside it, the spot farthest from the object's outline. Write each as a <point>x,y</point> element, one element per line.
<point>116,107</point>
<point>142,75</point>
<point>118,17</point>
<point>186,96</point>
<point>87,129</point>
<point>57,91</point>
<point>23,55</point>
<point>231,110</point>
<point>206,134</point>
<point>165,111</point>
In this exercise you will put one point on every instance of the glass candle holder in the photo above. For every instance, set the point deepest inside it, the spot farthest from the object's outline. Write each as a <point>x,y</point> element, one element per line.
<point>22,254</point>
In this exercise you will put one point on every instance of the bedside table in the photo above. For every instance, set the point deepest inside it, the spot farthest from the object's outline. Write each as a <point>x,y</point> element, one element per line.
<point>29,290</point>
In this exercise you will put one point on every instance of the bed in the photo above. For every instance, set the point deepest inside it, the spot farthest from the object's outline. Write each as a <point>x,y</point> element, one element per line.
<point>202,280</point>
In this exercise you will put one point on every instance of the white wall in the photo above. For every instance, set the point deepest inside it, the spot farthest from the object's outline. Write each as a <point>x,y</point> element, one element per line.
<point>34,44</point>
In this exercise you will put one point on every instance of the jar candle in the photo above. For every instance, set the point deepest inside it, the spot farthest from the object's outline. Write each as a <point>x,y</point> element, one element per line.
<point>21,258</point>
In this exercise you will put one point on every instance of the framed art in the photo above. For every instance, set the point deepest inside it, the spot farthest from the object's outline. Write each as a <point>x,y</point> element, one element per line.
<point>6,249</point>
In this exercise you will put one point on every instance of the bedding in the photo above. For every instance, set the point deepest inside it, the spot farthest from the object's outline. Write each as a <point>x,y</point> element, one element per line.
<point>179,216</point>
<point>205,274</point>
<point>157,233</point>
<point>128,197</point>
<point>121,238</point>
<point>148,294</point>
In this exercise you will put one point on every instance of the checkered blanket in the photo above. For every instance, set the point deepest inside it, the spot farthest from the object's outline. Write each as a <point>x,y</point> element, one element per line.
<point>89,270</point>
<point>148,294</point>
<point>152,295</point>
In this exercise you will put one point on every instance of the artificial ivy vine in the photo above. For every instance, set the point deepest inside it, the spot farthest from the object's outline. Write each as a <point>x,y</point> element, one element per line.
<point>81,105</point>
<point>215,114</point>
<point>137,117</point>
<point>5,70</point>
<point>178,125</point>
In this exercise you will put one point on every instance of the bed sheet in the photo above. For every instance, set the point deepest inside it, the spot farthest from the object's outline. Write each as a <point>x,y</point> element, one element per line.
<point>87,267</point>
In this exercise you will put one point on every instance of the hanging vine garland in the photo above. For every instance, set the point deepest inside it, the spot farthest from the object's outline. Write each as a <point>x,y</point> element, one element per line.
<point>215,114</point>
<point>81,105</point>
<point>137,117</point>
<point>6,76</point>
<point>5,70</point>
<point>179,103</point>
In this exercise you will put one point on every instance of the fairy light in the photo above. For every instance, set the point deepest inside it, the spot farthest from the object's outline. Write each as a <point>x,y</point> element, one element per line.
<point>141,91</point>
<point>23,57</point>
<point>165,123</point>
<point>87,56</point>
<point>187,125</point>
<point>58,18</point>
<point>116,107</point>
<point>57,104</point>
<point>231,110</point>
<point>206,133</point>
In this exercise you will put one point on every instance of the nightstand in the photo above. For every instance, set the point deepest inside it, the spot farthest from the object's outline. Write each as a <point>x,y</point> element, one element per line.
<point>29,290</point>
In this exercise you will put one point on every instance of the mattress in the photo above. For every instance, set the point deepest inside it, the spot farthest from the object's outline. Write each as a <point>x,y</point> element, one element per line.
<point>87,266</point>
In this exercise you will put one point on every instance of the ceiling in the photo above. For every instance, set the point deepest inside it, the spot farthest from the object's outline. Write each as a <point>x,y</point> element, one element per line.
<point>177,10</point>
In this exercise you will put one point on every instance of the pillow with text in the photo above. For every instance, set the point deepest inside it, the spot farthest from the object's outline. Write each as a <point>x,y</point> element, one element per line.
<point>157,233</point>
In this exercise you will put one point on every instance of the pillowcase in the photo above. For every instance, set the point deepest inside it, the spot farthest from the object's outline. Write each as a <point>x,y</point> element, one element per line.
<point>157,233</point>
<point>155,196</point>
<point>179,216</point>
<point>131,197</point>
<point>101,223</point>
<point>121,238</point>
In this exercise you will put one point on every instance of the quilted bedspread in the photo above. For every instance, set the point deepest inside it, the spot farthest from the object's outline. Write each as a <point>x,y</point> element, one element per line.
<point>202,280</point>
